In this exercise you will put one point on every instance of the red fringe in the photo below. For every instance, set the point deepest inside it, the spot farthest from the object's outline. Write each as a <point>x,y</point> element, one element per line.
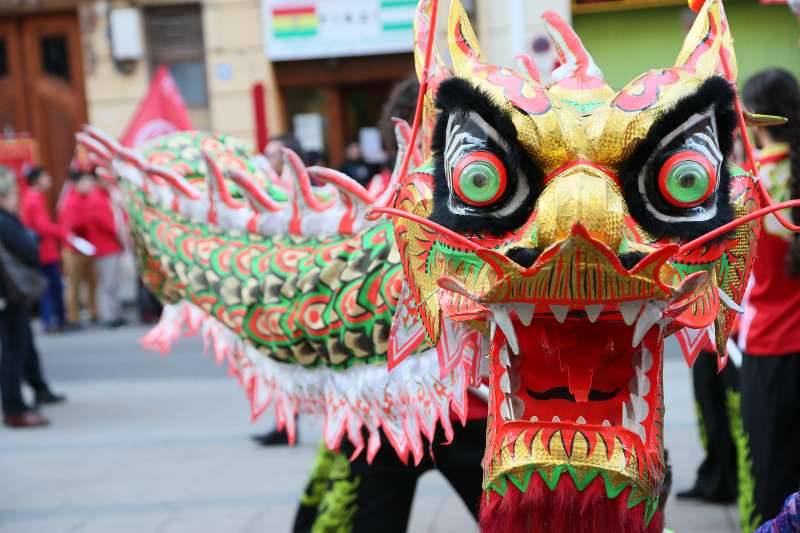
<point>564,510</point>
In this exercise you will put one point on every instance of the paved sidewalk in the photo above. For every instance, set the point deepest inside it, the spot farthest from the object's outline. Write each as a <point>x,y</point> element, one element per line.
<point>148,444</point>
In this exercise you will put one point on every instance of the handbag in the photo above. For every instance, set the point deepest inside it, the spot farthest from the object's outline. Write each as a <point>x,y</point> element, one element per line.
<point>24,285</point>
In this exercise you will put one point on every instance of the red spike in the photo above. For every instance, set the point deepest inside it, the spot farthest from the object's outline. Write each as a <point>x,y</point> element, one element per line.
<point>530,67</point>
<point>219,182</point>
<point>261,200</point>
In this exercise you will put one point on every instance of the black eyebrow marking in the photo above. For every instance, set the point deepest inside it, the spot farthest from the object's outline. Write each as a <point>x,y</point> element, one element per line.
<point>715,93</point>
<point>457,95</point>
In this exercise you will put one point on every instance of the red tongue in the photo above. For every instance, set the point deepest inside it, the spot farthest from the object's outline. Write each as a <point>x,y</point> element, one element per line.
<point>580,383</point>
<point>579,361</point>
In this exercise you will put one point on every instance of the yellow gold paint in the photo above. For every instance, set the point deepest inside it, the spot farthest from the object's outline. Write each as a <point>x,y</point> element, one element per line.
<point>586,194</point>
<point>621,467</point>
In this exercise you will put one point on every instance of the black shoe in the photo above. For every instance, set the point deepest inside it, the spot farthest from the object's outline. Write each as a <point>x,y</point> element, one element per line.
<point>272,438</point>
<point>48,398</point>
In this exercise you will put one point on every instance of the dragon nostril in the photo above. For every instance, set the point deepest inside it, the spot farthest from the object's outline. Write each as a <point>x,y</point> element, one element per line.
<point>524,257</point>
<point>631,259</point>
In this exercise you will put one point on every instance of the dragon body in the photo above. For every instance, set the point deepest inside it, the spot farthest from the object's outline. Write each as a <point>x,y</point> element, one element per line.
<point>545,237</point>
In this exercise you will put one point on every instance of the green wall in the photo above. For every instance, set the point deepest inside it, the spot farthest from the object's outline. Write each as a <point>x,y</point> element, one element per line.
<point>627,43</point>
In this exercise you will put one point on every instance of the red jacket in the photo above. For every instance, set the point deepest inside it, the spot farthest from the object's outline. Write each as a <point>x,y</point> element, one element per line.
<point>36,215</point>
<point>98,221</point>
<point>72,213</point>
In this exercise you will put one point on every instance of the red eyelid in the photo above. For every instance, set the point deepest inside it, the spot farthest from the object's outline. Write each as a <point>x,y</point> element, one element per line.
<point>474,157</point>
<point>678,157</point>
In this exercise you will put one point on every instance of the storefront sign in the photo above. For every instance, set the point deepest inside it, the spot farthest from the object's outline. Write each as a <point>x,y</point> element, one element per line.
<point>314,29</point>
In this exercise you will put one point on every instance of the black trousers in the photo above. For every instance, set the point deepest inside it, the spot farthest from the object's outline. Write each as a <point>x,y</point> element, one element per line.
<point>361,498</point>
<point>19,359</point>
<point>771,422</point>
<point>716,476</point>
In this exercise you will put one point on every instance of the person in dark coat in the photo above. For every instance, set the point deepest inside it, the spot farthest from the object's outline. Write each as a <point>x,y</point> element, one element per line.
<point>19,357</point>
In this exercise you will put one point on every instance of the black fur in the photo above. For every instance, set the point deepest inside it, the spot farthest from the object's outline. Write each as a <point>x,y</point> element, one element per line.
<point>524,257</point>
<point>455,95</point>
<point>715,91</point>
<point>631,259</point>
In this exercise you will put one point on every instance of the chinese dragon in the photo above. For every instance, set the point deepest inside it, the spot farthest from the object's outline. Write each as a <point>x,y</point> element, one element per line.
<point>541,239</point>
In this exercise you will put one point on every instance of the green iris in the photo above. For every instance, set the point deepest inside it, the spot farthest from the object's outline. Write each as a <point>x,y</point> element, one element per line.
<point>688,182</point>
<point>479,182</point>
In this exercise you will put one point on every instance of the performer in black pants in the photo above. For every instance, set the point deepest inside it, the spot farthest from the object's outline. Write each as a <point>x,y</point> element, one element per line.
<point>716,480</point>
<point>357,497</point>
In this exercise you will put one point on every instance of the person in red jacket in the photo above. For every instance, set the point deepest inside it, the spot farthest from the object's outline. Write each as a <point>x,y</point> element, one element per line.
<point>770,327</point>
<point>102,225</point>
<point>73,214</point>
<point>35,214</point>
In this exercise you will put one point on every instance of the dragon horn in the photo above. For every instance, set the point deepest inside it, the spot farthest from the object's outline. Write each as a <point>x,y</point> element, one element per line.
<point>575,61</point>
<point>708,48</point>
<point>431,69</point>
<point>464,49</point>
<point>528,66</point>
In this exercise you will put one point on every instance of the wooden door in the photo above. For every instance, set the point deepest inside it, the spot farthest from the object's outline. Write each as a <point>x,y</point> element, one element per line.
<point>51,53</point>
<point>13,108</point>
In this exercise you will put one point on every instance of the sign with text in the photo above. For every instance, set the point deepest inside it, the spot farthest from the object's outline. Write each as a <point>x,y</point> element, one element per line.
<point>315,29</point>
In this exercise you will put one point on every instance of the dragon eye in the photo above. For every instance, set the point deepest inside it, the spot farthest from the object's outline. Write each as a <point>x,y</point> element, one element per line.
<point>687,179</point>
<point>480,179</point>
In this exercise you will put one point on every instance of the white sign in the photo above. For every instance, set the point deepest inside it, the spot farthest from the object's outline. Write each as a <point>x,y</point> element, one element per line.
<point>313,29</point>
<point>310,131</point>
<point>371,145</point>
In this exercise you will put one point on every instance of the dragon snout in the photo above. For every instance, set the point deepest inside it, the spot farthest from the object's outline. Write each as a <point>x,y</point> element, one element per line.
<point>583,194</point>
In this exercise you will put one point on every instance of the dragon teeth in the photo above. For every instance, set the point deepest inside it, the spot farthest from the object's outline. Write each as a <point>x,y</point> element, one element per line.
<point>534,418</point>
<point>556,419</point>
<point>560,312</point>
<point>505,383</point>
<point>503,320</point>
<point>580,420</point>
<point>606,423</point>
<point>651,314</point>
<point>629,311</point>
<point>593,311</point>
<point>509,382</point>
<point>505,362</point>
<point>524,312</point>
<point>636,409</point>
<point>512,408</point>
<point>728,301</point>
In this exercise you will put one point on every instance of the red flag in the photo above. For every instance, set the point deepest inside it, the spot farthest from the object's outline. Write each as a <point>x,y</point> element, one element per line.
<point>161,112</point>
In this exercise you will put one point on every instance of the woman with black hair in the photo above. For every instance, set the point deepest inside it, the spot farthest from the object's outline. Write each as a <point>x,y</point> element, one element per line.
<point>770,328</point>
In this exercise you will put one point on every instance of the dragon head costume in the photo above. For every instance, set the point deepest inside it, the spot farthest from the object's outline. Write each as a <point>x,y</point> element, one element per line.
<point>539,238</point>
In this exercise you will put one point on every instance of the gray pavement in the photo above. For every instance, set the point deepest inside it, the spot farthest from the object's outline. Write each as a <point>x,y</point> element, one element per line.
<point>153,444</point>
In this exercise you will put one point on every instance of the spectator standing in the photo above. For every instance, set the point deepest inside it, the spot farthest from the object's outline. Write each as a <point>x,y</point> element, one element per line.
<point>354,165</point>
<point>102,230</point>
<point>35,214</point>
<point>79,269</point>
<point>274,150</point>
<point>19,356</point>
<point>770,327</point>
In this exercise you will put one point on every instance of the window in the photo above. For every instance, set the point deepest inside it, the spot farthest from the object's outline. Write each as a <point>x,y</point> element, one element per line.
<point>55,56</point>
<point>175,39</point>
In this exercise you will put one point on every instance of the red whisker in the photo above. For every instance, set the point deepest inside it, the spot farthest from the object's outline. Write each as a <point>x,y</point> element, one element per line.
<point>765,196</point>
<point>711,235</point>
<point>392,212</point>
